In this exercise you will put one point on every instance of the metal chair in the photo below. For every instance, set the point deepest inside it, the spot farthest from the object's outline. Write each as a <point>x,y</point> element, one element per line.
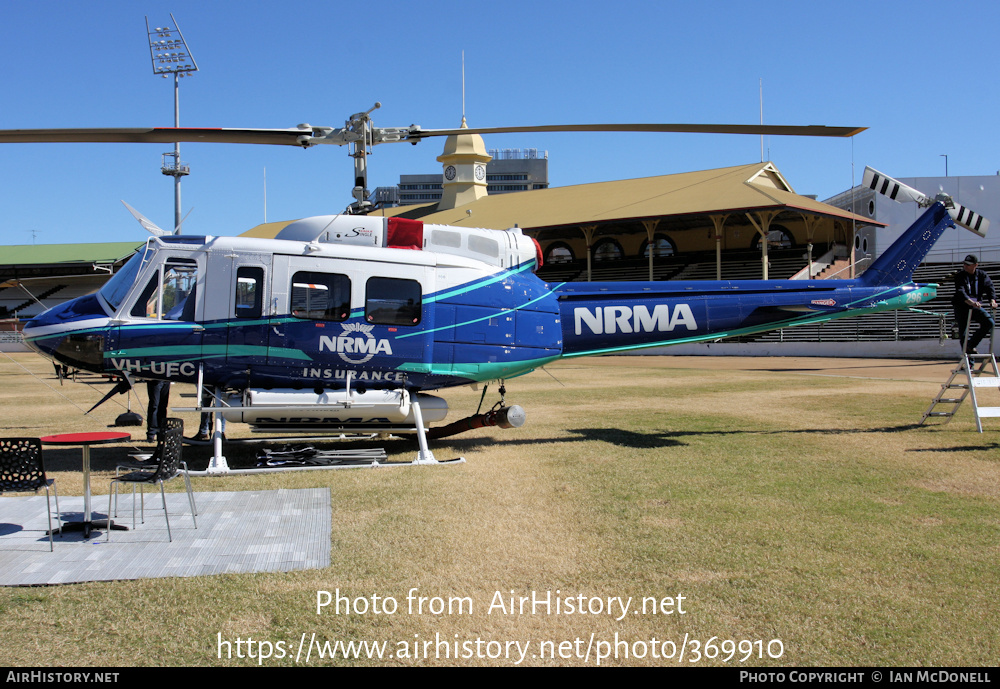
<point>148,461</point>
<point>22,470</point>
<point>168,452</point>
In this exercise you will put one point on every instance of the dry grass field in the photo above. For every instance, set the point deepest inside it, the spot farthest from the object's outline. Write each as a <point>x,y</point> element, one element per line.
<point>789,507</point>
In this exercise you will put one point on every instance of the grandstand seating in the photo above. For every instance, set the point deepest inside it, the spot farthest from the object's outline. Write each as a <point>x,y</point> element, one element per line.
<point>49,291</point>
<point>736,265</point>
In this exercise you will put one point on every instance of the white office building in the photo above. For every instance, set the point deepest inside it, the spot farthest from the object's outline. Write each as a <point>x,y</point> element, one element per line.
<point>980,193</point>
<point>510,170</point>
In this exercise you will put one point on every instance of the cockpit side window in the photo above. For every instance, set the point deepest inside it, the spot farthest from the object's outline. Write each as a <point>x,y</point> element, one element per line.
<point>180,289</point>
<point>171,293</point>
<point>146,305</point>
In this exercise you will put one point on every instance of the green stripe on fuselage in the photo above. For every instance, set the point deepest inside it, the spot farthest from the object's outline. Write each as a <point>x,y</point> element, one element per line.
<point>490,370</point>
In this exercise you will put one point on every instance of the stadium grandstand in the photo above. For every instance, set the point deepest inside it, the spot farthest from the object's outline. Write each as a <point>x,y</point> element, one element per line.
<point>34,278</point>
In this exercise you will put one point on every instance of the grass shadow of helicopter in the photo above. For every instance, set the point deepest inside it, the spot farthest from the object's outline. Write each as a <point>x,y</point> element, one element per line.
<point>654,439</point>
<point>985,447</point>
<point>245,455</point>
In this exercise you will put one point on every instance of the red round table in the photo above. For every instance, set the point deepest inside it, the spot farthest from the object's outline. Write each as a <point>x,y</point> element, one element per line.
<point>86,440</point>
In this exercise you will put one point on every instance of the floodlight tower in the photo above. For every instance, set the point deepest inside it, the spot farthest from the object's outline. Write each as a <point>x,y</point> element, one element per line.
<point>169,54</point>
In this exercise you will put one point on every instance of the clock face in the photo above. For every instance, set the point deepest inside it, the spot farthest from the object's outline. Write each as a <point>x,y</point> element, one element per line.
<point>480,172</point>
<point>449,172</point>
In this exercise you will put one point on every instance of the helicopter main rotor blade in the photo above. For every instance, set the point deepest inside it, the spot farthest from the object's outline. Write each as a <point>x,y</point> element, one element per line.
<point>758,129</point>
<point>307,135</point>
<point>160,135</point>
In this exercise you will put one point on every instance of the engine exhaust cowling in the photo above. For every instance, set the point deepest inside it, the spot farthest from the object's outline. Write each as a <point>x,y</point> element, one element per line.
<point>504,417</point>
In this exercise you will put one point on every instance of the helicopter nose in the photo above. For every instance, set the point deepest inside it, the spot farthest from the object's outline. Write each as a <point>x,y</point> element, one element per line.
<point>72,333</point>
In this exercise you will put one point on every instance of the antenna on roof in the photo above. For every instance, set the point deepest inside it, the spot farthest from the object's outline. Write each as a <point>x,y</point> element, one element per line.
<point>761,87</point>
<point>463,85</point>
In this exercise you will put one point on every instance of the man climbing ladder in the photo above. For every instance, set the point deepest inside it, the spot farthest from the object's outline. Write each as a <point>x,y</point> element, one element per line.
<point>972,287</point>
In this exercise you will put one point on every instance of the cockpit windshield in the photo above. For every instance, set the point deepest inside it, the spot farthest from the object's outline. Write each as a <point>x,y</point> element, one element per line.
<point>115,290</point>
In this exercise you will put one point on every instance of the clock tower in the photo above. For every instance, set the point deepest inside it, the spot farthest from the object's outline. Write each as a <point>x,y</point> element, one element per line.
<point>464,161</point>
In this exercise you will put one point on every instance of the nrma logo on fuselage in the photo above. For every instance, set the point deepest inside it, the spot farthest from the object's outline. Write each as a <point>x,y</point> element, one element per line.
<point>634,319</point>
<point>356,345</point>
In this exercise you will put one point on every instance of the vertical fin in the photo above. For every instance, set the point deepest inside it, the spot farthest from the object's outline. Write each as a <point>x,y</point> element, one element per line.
<point>896,265</point>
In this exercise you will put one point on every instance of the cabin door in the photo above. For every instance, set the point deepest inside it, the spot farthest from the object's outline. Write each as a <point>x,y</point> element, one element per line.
<point>247,325</point>
<point>164,336</point>
<point>310,299</point>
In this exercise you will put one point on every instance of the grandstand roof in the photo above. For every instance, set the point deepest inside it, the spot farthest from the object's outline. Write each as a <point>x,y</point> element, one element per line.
<point>756,186</point>
<point>48,254</point>
<point>38,261</point>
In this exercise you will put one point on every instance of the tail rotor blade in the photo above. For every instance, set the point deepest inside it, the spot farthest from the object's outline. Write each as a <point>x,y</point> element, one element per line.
<point>897,191</point>
<point>970,220</point>
<point>893,188</point>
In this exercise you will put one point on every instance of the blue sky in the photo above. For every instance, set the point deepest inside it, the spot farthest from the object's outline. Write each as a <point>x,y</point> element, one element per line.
<point>921,75</point>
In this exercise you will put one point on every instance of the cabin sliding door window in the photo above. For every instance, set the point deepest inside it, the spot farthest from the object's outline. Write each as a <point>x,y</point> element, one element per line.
<point>249,292</point>
<point>393,301</point>
<point>321,296</point>
<point>171,293</point>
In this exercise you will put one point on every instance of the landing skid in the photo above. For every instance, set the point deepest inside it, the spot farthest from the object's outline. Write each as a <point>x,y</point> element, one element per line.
<point>338,459</point>
<point>346,459</point>
<point>358,464</point>
<point>312,437</point>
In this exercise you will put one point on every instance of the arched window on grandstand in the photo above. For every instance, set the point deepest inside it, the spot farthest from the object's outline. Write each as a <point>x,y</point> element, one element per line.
<point>608,250</point>
<point>558,252</point>
<point>777,238</point>
<point>662,247</point>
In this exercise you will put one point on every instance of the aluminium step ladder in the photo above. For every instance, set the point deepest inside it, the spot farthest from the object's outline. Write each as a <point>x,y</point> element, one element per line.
<point>975,371</point>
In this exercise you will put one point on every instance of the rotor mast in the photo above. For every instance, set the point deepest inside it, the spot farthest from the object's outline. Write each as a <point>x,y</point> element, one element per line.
<point>360,124</point>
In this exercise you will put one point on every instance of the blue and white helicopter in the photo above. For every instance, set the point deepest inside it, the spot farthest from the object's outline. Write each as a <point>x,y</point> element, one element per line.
<point>345,323</point>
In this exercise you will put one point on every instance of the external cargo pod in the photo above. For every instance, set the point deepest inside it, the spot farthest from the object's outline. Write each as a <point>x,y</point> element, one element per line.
<point>393,406</point>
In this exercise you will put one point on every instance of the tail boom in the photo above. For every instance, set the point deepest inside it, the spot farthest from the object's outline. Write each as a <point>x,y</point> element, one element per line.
<point>617,317</point>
